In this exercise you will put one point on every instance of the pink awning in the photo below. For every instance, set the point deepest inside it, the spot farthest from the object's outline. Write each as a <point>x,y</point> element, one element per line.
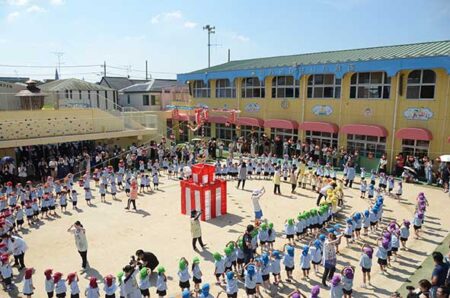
<point>448,140</point>
<point>181,117</point>
<point>319,126</point>
<point>414,133</point>
<point>281,123</point>
<point>365,129</point>
<point>250,121</point>
<point>218,119</point>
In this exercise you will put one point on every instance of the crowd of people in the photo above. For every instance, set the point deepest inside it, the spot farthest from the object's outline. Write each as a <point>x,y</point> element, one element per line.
<point>251,259</point>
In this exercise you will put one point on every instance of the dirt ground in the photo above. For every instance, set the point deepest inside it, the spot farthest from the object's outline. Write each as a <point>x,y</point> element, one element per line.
<point>114,234</point>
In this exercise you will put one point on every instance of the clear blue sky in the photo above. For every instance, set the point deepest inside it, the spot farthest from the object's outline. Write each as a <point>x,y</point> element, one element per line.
<point>169,33</point>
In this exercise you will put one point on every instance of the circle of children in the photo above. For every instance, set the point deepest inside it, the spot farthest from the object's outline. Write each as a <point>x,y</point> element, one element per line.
<point>314,227</point>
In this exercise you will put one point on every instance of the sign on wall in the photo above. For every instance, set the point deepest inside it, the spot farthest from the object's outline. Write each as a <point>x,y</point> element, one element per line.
<point>423,114</point>
<point>252,107</point>
<point>285,104</point>
<point>368,112</point>
<point>322,110</point>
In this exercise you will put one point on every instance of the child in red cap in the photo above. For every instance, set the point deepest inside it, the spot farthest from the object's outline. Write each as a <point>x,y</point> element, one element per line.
<point>28,288</point>
<point>110,287</point>
<point>92,290</point>
<point>72,281</point>
<point>60,285</point>
<point>49,284</point>
<point>6,272</point>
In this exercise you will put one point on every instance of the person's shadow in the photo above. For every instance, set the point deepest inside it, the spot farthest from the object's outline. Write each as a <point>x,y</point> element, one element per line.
<point>92,272</point>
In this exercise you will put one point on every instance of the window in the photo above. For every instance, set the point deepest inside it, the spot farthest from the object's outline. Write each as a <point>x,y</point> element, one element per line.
<point>324,86</point>
<point>169,129</point>
<point>70,94</point>
<point>183,131</point>
<point>321,138</point>
<point>153,100</point>
<point>284,133</point>
<point>252,88</point>
<point>249,132</point>
<point>370,85</point>
<point>67,93</point>
<point>416,148</point>
<point>365,144</point>
<point>89,94</point>
<point>224,132</point>
<point>421,84</point>
<point>203,131</point>
<point>200,89</point>
<point>106,94</point>
<point>224,89</point>
<point>98,99</point>
<point>128,99</point>
<point>145,100</point>
<point>285,87</point>
<point>79,95</point>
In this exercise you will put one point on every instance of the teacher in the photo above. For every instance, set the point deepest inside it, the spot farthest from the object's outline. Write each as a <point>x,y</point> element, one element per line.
<point>79,232</point>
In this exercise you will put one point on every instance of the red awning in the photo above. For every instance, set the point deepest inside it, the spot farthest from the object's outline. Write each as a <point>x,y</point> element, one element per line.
<point>448,140</point>
<point>281,123</point>
<point>250,121</point>
<point>414,133</point>
<point>218,119</point>
<point>365,129</point>
<point>319,126</point>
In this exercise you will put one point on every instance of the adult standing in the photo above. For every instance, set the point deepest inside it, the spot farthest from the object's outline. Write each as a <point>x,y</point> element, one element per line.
<point>329,257</point>
<point>247,245</point>
<point>17,247</point>
<point>79,233</point>
<point>439,275</point>
<point>256,195</point>
<point>277,181</point>
<point>133,195</point>
<point>382,164</point>
<point>293,180</point>
<point>242,176</point>
<point>351,173</point>
<point>196,230</point>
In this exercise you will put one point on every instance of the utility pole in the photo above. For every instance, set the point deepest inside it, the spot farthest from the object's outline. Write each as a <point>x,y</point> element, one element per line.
<point>104,68</point>
<point>146,70</point>
<point>59,55</point>
<point>229,55</point>
<point>211,30</point>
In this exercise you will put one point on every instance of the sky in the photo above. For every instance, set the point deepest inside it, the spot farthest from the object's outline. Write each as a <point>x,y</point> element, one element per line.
<point>169,33</point>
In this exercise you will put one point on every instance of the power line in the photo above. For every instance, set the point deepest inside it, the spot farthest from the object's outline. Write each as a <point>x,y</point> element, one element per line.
<point>48,66</point>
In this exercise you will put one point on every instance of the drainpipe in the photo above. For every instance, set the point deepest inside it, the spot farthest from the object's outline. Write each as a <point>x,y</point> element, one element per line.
<point>394,125</point>
<point>303,81</point>
<point>340,112</point>
<point>444,123</point>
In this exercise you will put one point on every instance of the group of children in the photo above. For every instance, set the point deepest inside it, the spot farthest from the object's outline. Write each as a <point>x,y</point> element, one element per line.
<point>385,185</point>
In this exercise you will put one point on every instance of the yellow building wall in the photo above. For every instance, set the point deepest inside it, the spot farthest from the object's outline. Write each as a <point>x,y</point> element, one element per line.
<point>350,111</point>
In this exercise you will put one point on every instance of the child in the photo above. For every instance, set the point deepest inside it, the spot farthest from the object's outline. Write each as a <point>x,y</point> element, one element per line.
<point>161,282</point>
<point>250,280</point>
<point>6,272</point>
<point>315,291</point>
<point>289,229</point>
<point>92,290</point>
<point>49,284</point>
<point>404,233</point>
<point>263,235</point>
<point>363,188</point>
<point>183,274</point>
<point>147,183</point>
<point>288,261</point>
<point>366,263</point>
<point>371,191</point>
<point>348,231</point>
<point>347,281</point>
<point>366,222</point>
<point>228,258</point>
<point>74,199</point>
<point>144,282</point>
<point>315,252</point>
<point>28,288</point>
<point>113,190</point>
<point>399,192</point>
<point>120,283</point>
<point>72,281</point>
<point>60,285</point>
<point>231,287</point>
<point>142,184</point>
<point>196,274</point>
<point>63,200</point>
<point>390,182</point>
<point>336,286</point>
<point>417,223</point>
<point>110,286</point>
<point>299,227</point>
<point>219,264</point>
<point>102,191</point>
<point>20,215</point>
<point>383,245</point>
<point>305,262</point>
<point>265,270</point>
<point>275,266</point>
<point>155,181</point>
<point>357,221</point>
<point>272,236</point>
<point>88,196</point>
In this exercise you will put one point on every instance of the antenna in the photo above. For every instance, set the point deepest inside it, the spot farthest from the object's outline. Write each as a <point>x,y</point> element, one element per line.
<point>211,30</point>
<point>59,55</point>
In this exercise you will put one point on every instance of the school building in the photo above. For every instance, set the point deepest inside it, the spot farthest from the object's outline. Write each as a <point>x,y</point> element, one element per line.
<point>387,99</point>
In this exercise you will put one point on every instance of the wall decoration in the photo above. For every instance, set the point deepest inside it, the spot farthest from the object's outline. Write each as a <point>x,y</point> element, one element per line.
<point>423,114</point>
<point>252,107</point>
<point>285,104</point>
<point>368,112</point>
<point>322,110</point>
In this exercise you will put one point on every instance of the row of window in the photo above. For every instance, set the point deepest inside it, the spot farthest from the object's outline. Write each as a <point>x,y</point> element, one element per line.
<point>420,85</point>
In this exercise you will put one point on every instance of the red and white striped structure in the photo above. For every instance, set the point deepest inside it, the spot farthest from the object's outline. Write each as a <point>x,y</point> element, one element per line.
<point>209,197</point>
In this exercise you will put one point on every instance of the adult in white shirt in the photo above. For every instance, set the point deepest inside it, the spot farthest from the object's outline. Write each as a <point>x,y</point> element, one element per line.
<point>256,195</point>
<point>17,247</point>
<point>329,257</point>
<point>130,285</point>
<point>323,191</point>
<point>79,232</point>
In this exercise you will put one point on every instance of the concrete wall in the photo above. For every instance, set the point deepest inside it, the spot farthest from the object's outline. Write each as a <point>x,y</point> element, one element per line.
<point>136,101</point>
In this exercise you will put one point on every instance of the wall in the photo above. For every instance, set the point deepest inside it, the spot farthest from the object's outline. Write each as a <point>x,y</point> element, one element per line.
<point>136,101</point>
<point>43,123</point>
<point>8,100</point>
